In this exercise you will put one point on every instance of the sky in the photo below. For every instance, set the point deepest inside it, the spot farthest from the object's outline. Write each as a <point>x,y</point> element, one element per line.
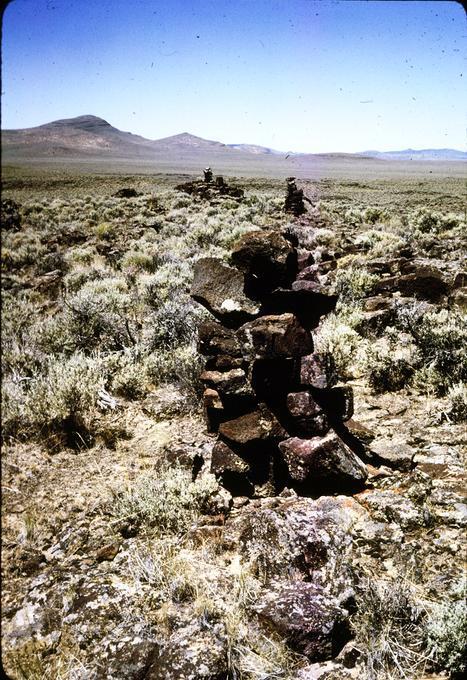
<point>294,75</point>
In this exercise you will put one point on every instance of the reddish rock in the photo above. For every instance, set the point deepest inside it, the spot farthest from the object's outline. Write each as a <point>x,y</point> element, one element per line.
<point>302,404</point>
<point>310,287</point>
<point>211,399</point>
<point>317,370</point>
<point>257,425</point>
<point>231,470</point>
<point>310,619</point>
<point>322,460</point>
<point>271,337</point>
<point>314,271</point>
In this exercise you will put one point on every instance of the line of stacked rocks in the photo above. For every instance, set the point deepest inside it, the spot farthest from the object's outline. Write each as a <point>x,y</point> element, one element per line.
<point>272,401</point>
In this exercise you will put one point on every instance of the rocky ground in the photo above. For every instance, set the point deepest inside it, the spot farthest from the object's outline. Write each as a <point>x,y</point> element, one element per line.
<point>124,557</point>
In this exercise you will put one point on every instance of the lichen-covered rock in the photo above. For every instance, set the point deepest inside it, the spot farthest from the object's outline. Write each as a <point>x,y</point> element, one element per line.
<point>307,616</point>
<point>220,289</point>
<point>273,336</point>
<point>302,404</point>
<point>389,506</point>
<point>321,462</point>
<point>194,652</point>
<point>398,455</point>
<point>231,383</point>
<point>318,370</point>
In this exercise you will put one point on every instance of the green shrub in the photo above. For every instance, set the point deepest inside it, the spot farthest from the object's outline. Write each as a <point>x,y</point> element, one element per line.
<point>336,336</point>
<point>63,398</point>
<point>354,283</point>
<point>167,500</point>
<point>447,636</point>
<point>441,338</point>
<point>457,397</point>
<point>391,362</point>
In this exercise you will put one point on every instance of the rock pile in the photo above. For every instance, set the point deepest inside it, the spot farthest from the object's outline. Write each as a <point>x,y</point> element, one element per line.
<point>10,217</point>
<point>294,198</point>
<point>271,399</point>
<point>208,189</point>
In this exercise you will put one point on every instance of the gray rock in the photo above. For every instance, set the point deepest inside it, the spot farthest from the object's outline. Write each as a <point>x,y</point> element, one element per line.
<point>396,455</point>
<point>220,289</point>
<point>271,337</point>
<point>192,653</point>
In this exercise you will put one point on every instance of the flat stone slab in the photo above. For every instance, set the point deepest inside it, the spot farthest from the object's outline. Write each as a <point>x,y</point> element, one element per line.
<point>257,425</point>
<point>220,289</point>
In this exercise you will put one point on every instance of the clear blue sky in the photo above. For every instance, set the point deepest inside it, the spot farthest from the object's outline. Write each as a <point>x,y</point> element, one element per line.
<point>298,75</point>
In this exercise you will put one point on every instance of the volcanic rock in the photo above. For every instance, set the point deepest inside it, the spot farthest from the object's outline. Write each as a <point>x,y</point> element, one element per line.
<point>257,425</point>
<point>220,289</point>
<point>322,462</point>
<point>266,256</point>
<point>317,370</point>
<point>271,337</point>
<point>214,339</point>
<point>310,619</point>
<point>301,404</point>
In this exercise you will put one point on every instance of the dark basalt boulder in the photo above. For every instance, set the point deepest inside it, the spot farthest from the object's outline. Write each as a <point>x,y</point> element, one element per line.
<point>302,404</point>
<point>311,620</point>
<point>318,371</point>
<point>308,304</point>
<point>127,192</point>
<point>321,463</point>
<point>214,339</point>
<point>419,279</point>
<point>267,259</point>
<point>220,289</point>
<point>10,217</point>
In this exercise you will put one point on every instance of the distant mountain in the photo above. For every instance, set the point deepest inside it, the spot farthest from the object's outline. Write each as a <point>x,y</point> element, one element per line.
<point>417,155</point>
<point>88,138</point>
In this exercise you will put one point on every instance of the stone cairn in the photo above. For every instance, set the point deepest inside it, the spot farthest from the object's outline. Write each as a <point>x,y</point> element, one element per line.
<point>294,198</point>
<point>271,400</point>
